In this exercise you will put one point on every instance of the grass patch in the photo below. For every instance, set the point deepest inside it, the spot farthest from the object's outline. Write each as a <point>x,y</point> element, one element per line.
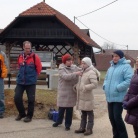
<point>45,99</point>
<point>102,77</point>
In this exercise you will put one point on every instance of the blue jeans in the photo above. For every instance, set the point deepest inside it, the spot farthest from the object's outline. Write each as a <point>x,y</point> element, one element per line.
<point>115,115</point>
<point>2,105</point>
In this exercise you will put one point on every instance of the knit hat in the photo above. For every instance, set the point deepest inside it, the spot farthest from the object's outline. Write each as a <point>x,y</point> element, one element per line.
<point>66,57</point>
<point>119,53</point>
<point>88,61</point>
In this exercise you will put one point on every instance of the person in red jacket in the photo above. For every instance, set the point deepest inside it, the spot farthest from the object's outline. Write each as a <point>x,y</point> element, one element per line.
<point>29,68</point>
<point>66,97</point>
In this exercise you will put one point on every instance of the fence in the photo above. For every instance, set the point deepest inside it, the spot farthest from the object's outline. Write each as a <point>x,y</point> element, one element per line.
<point>43,79</point>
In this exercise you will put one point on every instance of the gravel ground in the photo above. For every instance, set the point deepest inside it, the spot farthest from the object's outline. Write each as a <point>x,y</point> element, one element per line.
<point>42,128</point>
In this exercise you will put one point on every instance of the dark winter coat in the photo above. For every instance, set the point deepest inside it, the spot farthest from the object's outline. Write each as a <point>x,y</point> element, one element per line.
<point>131,100</point>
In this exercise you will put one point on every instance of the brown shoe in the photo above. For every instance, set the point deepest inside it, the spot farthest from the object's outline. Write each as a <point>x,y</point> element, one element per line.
<point>80,130</point>
<point>88,132</point>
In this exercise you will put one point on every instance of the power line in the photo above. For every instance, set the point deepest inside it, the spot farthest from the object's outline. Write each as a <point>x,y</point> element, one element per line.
<point>97,9</point>
<point>100,35</point>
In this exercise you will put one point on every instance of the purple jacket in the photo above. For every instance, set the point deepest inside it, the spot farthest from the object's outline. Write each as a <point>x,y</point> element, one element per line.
<point>132,101</point>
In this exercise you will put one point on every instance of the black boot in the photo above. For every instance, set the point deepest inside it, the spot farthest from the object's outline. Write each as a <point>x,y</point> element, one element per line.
<point>1,116</point>
<point>67,128</point>
<point>19,117</point>
<point>27,119</point>
<point>80,130</point>
<point>56,124</point>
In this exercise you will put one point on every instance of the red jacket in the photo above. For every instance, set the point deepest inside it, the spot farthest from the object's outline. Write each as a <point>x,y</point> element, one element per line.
<point>29,68</point>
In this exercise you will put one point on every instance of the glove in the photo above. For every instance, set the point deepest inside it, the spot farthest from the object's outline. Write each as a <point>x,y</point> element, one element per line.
<point>103,87</point>
<point>124,105</point>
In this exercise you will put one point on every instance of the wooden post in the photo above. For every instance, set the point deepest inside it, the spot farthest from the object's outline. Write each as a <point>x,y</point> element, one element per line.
<point>76,53</point>
<point>8,48</point>
<point>8,55</point>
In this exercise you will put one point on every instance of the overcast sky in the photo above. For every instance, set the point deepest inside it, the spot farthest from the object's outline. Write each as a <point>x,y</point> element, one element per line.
<point>117,22</point>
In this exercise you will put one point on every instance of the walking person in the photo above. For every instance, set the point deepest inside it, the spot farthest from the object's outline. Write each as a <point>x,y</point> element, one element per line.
<point>130,102</point>
<point>66,98</point>
<point>29,68</point>
<point>85,98</point>
<point>3,74</point>
<point>115,85</point>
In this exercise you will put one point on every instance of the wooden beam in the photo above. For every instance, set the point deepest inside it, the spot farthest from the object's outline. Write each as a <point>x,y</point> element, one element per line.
<point>7,45</point>
<point>76,53</point>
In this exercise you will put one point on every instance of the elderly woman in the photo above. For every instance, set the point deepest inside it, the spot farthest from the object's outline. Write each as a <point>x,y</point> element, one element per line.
<point>130,102</point>
<point>85,99</point>
<point>66,98</point>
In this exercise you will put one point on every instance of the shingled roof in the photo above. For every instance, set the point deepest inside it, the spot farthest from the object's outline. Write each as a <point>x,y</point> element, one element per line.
<point>42,9</point>
<point>1,30</point>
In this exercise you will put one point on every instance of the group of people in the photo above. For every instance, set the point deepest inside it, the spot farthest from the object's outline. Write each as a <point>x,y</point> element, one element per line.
<point>75,88</point>
<point>121,90</point>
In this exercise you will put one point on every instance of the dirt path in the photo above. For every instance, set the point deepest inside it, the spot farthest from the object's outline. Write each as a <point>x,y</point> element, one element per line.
<point>41,128</point>
<point>102,127</point>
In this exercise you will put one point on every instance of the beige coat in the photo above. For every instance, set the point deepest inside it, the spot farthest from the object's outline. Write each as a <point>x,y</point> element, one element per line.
<point>67,78</point>
<point>84,88</point>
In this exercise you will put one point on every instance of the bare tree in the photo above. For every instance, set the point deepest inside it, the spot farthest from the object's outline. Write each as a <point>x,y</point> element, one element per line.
<point>108,46</point>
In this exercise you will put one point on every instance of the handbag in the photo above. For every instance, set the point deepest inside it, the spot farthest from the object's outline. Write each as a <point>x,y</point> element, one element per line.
<point>50,113</point>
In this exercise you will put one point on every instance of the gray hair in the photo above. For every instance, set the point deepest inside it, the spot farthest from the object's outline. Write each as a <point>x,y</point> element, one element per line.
<point>27,42</point>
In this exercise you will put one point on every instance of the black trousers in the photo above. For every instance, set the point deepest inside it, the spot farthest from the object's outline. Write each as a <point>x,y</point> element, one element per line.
<point>68,111</point>
<point>84,121</point>
<point>115,115</point>
<point>135,131</point>
<point>18,99</point>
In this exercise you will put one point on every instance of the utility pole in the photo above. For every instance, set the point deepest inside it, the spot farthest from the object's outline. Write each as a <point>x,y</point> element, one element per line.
<point>127,48</point>
<point>74,19</point>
